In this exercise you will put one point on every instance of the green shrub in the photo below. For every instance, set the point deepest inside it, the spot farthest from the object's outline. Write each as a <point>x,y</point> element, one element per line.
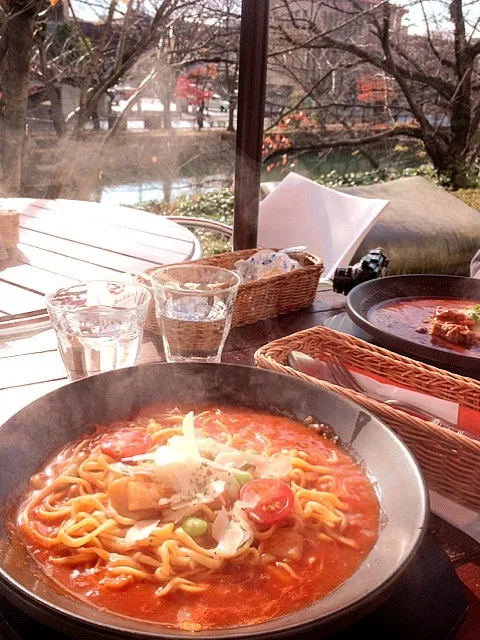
<point>334,179</point>
<point>216,205</point>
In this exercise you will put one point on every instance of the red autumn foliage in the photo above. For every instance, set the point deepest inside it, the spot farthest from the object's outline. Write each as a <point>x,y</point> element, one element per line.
<point>280,141</point>
<point>192,85</point>
<point>187,90</point>
<point>297,120</point>
<point>202,71</point>
<point>374,89</point>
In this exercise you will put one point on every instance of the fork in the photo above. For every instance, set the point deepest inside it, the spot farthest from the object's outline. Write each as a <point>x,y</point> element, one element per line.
<point>334,371</point>
<point>345,379</point>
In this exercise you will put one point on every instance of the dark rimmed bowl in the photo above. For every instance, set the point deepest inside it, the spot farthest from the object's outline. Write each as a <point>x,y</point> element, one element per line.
<point>366,296</point>
<point>30,436</point>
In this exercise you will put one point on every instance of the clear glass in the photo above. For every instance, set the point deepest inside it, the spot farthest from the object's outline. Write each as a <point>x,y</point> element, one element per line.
<point>194,308</point>
<point>99,325</point>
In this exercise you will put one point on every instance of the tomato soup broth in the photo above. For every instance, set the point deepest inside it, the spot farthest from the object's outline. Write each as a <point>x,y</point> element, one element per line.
<point>253,588</point>
<point>408,318</point>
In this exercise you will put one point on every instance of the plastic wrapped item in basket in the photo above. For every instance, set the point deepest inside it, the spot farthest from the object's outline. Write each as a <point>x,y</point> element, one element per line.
<point>265,264</point>
<point>263,298</point>
<point>9,228</point>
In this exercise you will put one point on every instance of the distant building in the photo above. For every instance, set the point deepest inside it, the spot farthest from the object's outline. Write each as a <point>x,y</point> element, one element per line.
<point>303,68</point>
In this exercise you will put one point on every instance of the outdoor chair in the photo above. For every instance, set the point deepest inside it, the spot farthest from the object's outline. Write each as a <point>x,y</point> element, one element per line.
<point>203,224</point>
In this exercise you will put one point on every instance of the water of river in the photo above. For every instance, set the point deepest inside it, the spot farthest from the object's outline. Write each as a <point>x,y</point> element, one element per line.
<point>310,167</point>
<point>133,193</point>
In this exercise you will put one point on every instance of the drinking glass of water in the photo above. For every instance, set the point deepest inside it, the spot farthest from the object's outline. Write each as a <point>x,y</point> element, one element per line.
<point>99,325</point>
<point>194,307</point>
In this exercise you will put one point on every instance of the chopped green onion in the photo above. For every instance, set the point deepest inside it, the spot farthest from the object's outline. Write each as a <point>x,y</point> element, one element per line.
<point>195,527</point>
<point>243,478</point>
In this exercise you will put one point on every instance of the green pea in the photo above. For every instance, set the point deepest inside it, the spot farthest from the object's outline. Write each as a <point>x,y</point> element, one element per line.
<point>243,478</point>
<point>195,527</point>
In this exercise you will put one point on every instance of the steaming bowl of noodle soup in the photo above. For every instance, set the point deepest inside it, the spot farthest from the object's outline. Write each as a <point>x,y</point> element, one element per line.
<point>217,500</point>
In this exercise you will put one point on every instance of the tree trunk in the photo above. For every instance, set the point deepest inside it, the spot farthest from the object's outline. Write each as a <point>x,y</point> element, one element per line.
<point>167,189</point>
<point>450,162</point>
<point>167,114</point>
<point>53,93</point>
<point>19,39</point>
<point>461,113</point>
<point>457,171</point>
<point>231,115</point>
<point>58,116</point>
<point>96,121</point>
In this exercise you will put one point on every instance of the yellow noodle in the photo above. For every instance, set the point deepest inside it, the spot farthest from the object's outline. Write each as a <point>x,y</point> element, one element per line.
<point>75,509</point>
<point>320,496</point>
<point>123,570</point>
<point>264,535</point>
<point>182,585</point>
<point>306,466</point>
<point>286,567</point>
<point>298,475</point>
<point>344,540</point>
<point>69,541</point>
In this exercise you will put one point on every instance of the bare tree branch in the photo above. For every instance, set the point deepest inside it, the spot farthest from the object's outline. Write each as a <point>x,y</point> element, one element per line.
<point>395,132</point>
<point>328,32</point>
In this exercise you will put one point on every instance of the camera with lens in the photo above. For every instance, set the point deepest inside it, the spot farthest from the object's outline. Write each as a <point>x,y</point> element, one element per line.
<point>370,267</point>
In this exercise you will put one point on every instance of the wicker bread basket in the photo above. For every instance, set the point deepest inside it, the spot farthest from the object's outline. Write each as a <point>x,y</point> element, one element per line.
<point>9,231</point>
<point>450,460</point>
<point>264,298</point>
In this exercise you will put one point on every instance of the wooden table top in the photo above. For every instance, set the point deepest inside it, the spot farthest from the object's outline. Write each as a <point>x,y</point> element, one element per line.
<point>67,241</point>
<point>32,366</point>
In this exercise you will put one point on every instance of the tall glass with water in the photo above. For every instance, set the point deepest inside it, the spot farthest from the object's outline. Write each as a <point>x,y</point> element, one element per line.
<point>194,307</point>
<point>99,325</point>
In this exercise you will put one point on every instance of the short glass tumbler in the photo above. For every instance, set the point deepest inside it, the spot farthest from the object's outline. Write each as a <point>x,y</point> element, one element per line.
<point>194,308</point>
<point>99,325</point>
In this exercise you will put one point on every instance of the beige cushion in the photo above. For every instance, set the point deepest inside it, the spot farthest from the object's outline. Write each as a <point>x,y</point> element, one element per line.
<point>424,229</point>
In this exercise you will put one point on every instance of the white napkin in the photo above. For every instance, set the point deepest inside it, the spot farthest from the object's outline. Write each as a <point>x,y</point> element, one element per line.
<point>464,519</point>
<point>329,223</point>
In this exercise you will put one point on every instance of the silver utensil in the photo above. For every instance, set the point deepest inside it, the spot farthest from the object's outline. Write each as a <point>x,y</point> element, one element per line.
<point>311,366</point>
<point>334,371</point>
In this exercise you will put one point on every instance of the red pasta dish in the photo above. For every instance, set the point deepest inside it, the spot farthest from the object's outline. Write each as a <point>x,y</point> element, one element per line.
<point>177,517</point>
<point>445,323</point>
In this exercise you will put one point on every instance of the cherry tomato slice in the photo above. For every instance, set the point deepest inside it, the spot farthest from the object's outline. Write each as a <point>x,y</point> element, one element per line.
<point>274,500</point>
<point>125,443</point>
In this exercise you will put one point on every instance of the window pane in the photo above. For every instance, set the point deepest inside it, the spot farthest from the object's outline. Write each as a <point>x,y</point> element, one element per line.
<point>357,87</point>
<point>129,103</point>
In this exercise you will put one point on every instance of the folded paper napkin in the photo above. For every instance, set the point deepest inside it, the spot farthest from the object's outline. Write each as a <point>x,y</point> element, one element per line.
<point>460,517</point>
<point>329,223</point>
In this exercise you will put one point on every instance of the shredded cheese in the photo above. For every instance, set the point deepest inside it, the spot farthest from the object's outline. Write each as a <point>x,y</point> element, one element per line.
<point>141,531</point>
